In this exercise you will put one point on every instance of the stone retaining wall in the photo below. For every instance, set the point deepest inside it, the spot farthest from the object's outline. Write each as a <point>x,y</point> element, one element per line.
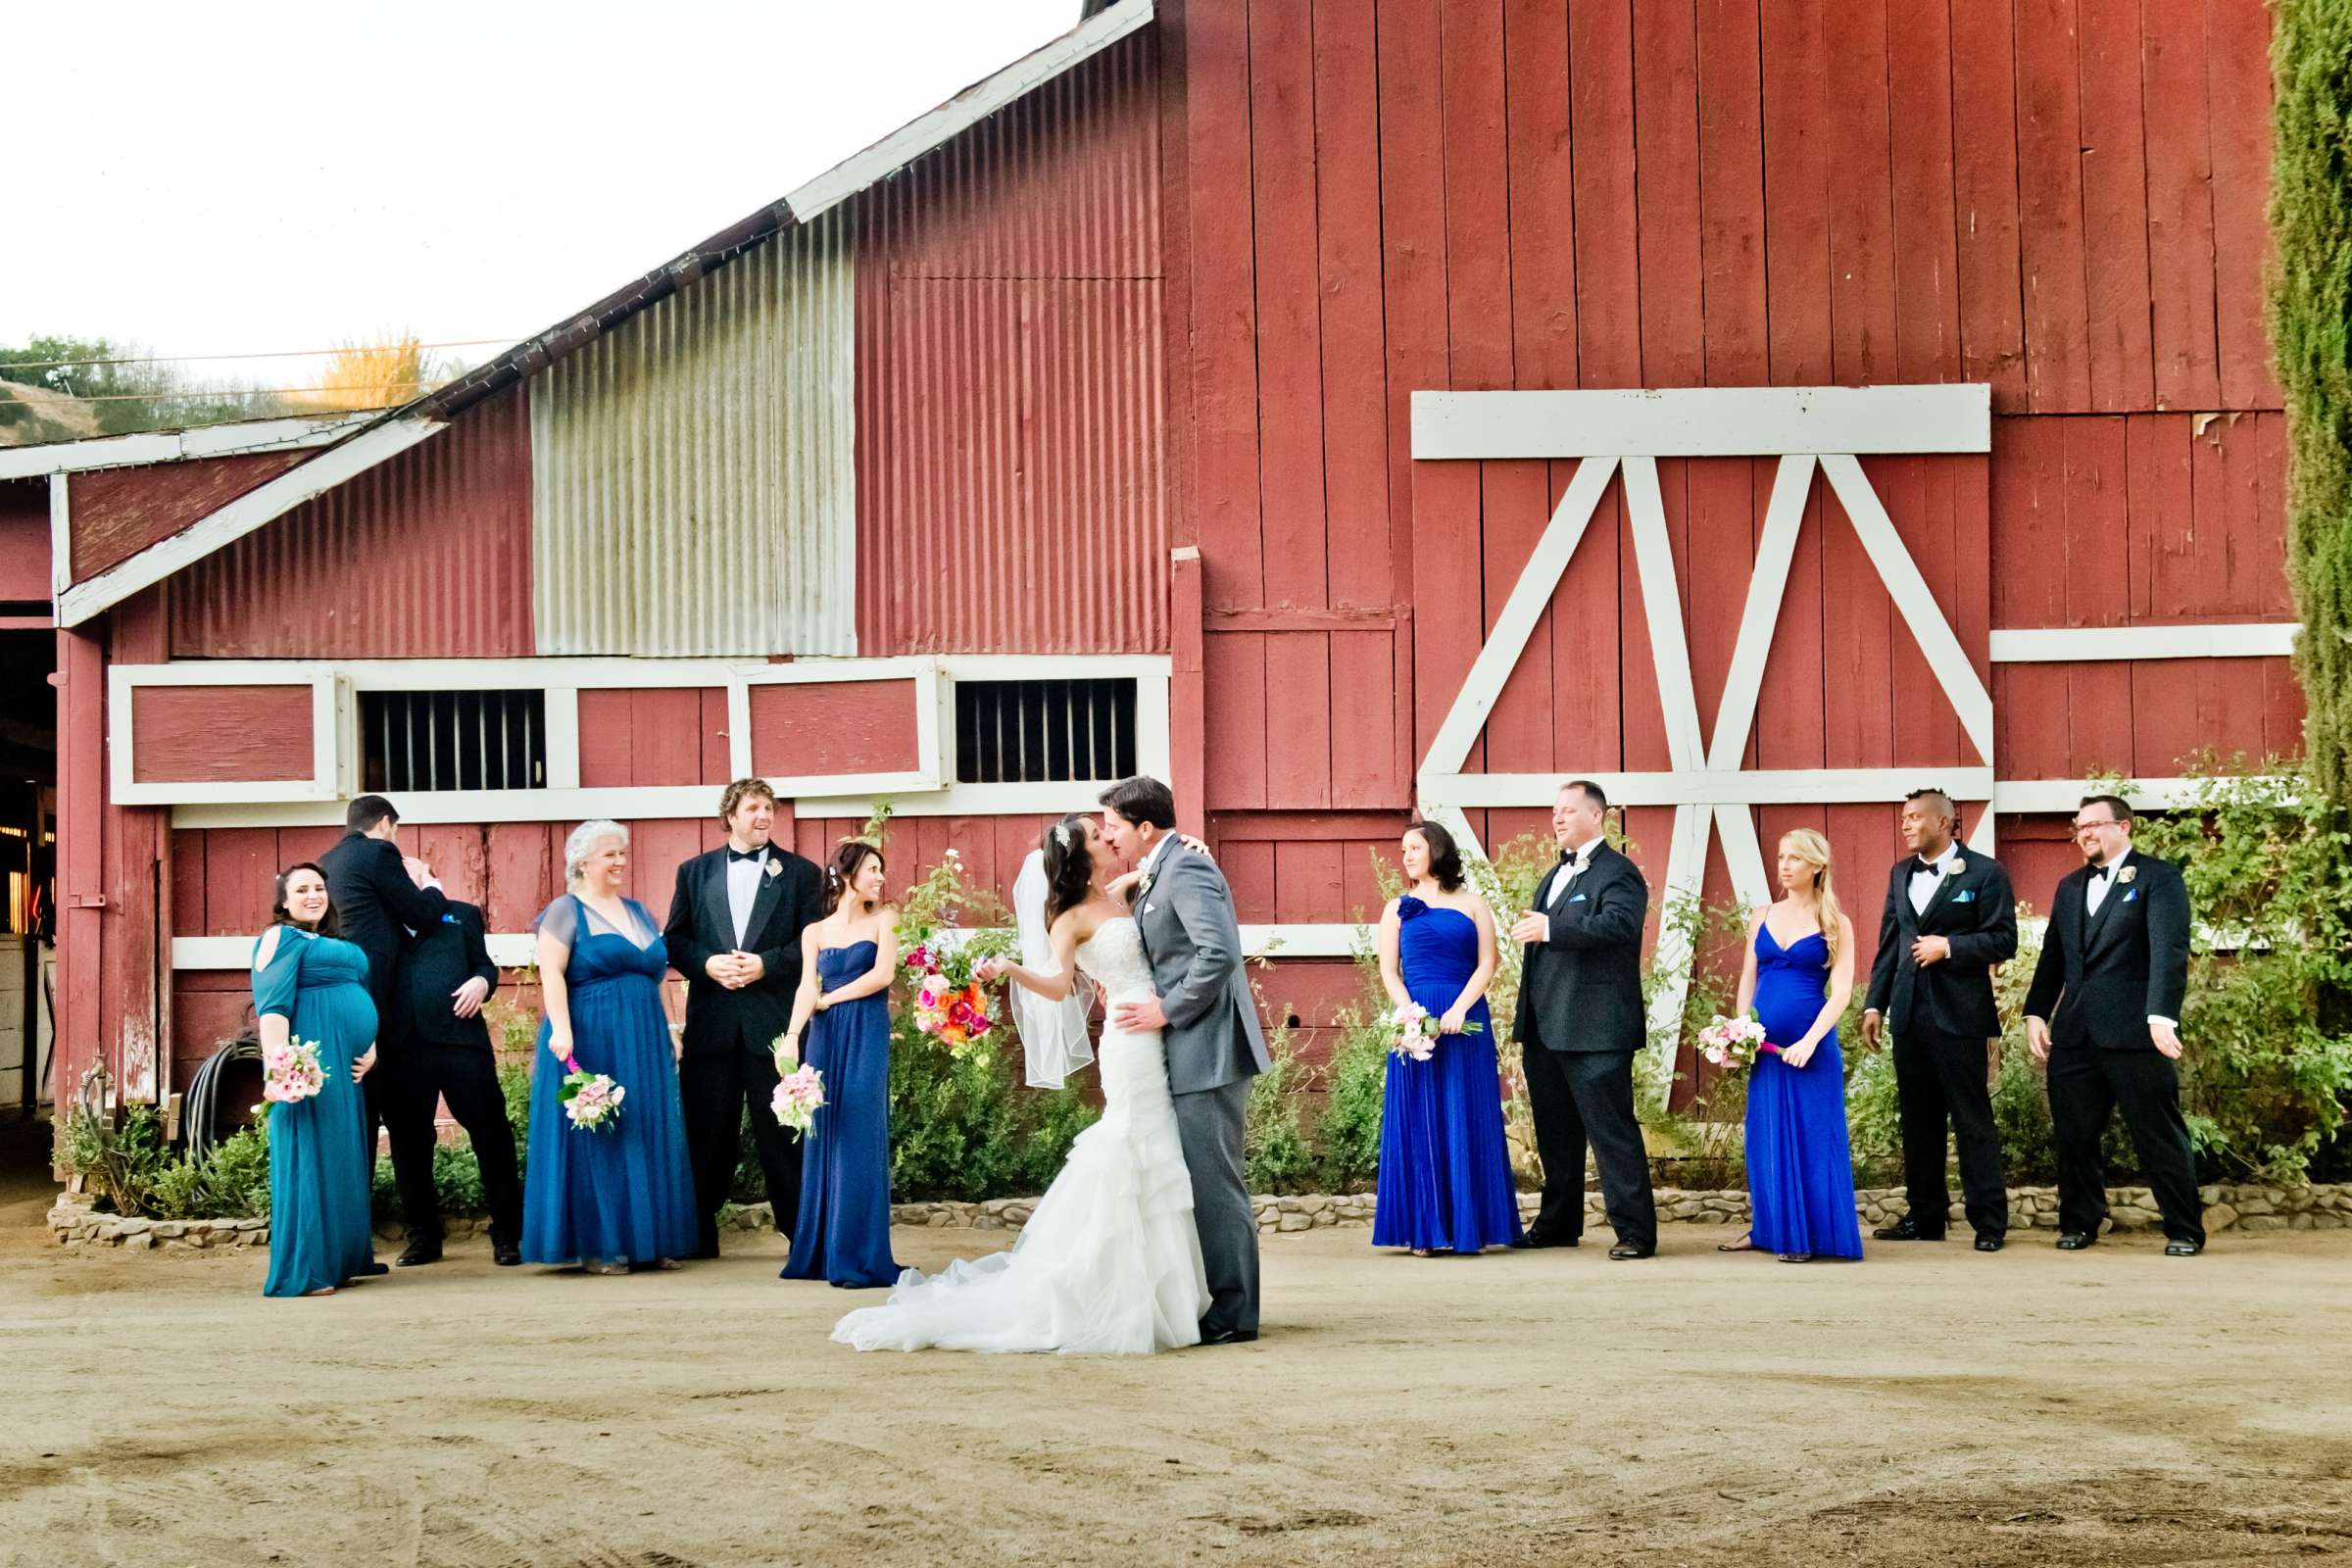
<point>2241,1208</point>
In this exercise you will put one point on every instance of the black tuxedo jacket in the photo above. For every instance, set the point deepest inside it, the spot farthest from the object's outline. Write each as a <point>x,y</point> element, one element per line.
<point>1975,912</point>
<point>700,925</point>
<point>440,957</point>
<point>1582,990</point>
<point>377,907</point>
<point>2106,973</point>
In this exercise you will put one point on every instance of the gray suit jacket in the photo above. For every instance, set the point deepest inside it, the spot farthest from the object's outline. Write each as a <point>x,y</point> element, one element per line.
<point>1194,946</point>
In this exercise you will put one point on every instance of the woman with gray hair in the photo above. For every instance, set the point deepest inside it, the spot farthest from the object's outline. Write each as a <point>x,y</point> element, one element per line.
<point>618,1195</point>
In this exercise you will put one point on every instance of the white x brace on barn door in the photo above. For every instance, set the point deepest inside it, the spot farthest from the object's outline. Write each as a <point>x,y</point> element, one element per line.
<point>1625,432</point>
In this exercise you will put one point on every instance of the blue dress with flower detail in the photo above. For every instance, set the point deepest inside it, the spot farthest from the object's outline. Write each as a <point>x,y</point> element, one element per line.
<point>1444,1167</point>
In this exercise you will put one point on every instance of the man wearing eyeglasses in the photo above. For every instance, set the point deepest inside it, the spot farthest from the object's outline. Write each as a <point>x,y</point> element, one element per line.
<point>2105,1011</point>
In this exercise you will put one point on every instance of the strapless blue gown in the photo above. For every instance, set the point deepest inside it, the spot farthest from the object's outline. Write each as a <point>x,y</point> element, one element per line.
<point>624,1195</point>
<point>320,1232</point>
<point>1444,1179</point>
<point>843,1232</point>
<point>1801,1167</point>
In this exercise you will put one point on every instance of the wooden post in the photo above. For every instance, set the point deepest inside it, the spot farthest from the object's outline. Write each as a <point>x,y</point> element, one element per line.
<point>1188,692</point>
<point>81,682</point>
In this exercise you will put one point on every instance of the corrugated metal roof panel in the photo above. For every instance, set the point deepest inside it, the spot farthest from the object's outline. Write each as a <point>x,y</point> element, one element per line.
<point>693,485</point>
<point>1013,463</point>
<point>426,556</point>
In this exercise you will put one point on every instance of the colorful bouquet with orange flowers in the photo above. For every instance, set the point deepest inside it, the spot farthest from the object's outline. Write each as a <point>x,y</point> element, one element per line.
<point>948,1002</point>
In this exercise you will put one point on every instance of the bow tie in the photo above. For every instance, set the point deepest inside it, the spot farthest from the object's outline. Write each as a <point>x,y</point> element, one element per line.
<point>2098,873</point>
<point>1920,867</point>
<point>1567,857</point>
<point>734,854</point>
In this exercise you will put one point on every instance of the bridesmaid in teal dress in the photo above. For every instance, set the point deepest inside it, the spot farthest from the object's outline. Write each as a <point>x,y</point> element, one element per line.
<point>623,1196</point>
<point>310,984</point>
<point>846,960</point>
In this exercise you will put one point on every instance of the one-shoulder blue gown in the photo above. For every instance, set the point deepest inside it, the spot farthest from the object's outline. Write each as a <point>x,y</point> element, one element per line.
<point>1801,1167</point>
<point>1444,1180</point>
<point>320,1232</point>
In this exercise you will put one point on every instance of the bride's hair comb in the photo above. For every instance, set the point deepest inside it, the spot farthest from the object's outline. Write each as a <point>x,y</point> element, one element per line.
<point>1062,834</point>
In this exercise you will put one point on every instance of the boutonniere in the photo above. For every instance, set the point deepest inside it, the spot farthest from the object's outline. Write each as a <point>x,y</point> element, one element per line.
<point>1143,889</point>
<point>775,868</point>
<point>2127,875</point>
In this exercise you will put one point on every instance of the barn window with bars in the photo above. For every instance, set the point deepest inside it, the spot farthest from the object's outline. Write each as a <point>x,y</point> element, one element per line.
<point>1044,732</point>
<point>453,740</point>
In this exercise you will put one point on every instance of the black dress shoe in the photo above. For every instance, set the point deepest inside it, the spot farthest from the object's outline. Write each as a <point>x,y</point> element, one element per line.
<point>1990,1244</point>
<point>370,1268</point>
<point>1627,1250</point>
<point>2075,1241</point>
<point>1231,1337</point>
<point>2183,1249</point>
<point>1904,1230</point>
<point>506,1254</point>
<point>416,1252</point>
<point>1532,1239</point>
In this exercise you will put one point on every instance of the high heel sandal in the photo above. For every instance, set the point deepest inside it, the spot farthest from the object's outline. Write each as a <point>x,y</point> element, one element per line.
<point>1745,1243</point>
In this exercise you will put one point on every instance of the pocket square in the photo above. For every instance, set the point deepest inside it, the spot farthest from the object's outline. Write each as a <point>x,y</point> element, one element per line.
<point>2133,893</point>
<point>1578,899</point>
<point>1964,896</point>
<point>1148,908</point>
<point>449,919</point>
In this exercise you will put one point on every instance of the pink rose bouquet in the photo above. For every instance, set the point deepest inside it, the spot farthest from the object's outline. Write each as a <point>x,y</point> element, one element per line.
<point>799,1095</point>
<point>590,1101</point>
<point>290,1073</point>
<point>1732,1041</point>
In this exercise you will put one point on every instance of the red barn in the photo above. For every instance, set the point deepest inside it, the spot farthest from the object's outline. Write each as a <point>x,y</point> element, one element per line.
<point>1344,408</point>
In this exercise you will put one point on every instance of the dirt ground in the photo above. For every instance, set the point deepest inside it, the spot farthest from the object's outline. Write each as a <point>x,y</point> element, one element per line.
<point>1929,1405</point>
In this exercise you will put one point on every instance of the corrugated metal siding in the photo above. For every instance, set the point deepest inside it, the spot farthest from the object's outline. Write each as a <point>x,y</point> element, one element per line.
<point>693,482</point>
<point>1011,468</point>
<point>426,556</point>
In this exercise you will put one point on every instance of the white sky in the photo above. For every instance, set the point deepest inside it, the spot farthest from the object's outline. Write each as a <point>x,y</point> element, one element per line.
<point>255,174</point>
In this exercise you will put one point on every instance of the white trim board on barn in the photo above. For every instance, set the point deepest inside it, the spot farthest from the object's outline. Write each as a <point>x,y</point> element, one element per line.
<point>1625,431</point>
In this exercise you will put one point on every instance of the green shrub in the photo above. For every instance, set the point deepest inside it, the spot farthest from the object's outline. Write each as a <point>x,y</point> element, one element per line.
<point>1356,1086</point>
<point>1277,1157</point>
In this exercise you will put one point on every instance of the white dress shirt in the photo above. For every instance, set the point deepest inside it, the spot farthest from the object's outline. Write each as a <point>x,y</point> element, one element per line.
<point>1926,884</point>
<point>2096,892</point>
<point>1562,876</point>
<point>743,886</point>
<point>1152,857</point>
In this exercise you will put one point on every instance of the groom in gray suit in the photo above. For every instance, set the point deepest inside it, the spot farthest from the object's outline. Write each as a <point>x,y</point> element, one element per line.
<point>1209,1022</point>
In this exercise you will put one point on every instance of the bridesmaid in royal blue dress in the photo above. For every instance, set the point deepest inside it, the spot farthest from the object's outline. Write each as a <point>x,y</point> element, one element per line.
<point>1444,1180</point>
<point>1798,976</point>
<point>621,1195</point>
<point>847,961</point>
<point>310,984</point>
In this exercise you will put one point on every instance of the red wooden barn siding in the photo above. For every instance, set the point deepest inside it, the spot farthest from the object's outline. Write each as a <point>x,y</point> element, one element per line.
<point>2065,202</point>
<point>1011,444</point>
<point>25,540</point>
<point>117,513</point>
<point>426,556</point>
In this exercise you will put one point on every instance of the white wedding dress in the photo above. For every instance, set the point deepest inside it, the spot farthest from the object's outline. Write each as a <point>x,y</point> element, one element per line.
<point>1109,1262</point>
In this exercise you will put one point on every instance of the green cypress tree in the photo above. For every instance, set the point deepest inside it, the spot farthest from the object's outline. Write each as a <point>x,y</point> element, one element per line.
<point>2311,332</point>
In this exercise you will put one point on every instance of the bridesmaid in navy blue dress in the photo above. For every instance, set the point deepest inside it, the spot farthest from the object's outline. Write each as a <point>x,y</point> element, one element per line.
<point>1444,1180</point>
<point>310,984</point>
<point>1797,977</point>
<point>623,1196</point>
<point>847,961</point>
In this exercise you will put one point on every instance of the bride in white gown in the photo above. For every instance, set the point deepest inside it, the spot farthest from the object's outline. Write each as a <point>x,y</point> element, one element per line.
<point>1109,1262</point>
